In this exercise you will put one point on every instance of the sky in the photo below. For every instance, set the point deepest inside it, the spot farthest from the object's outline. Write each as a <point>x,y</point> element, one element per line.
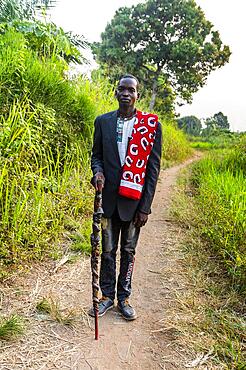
<point>225,88</point>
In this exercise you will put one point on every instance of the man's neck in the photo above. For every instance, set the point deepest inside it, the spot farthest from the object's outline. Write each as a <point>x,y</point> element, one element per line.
<point>127,112</point>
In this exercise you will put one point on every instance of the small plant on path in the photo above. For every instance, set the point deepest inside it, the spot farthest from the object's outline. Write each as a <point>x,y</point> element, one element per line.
<point>50,306</point>
<point>11,327</point>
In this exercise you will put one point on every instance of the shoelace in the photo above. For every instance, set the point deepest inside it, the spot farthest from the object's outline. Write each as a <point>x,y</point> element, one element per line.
<point>126,302</point>
<point>103,299</point>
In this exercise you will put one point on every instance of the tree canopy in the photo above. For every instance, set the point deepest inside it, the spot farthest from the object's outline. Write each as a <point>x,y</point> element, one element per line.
<point>162,40</point>
<point>190,124</point>
<point>217,122</point>
<point>221,121</point>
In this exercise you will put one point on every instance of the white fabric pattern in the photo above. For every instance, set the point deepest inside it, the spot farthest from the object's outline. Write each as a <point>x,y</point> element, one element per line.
<point>126,134</point>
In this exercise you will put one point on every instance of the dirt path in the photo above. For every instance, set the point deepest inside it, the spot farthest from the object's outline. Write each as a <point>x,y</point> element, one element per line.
<point>146,343</point>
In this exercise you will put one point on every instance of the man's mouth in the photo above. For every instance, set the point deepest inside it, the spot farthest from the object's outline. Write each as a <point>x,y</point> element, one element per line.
<point>125,100</point>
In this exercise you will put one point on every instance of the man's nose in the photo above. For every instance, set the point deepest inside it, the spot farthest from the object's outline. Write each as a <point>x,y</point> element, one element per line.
<point>125,92</point>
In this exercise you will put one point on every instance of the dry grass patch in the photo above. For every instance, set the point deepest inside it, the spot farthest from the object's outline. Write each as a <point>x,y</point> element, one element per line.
<point>51,306</point>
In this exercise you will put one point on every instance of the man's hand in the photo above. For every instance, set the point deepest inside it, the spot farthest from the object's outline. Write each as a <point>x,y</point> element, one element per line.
<point>140,219</point>
<point>98,181</point>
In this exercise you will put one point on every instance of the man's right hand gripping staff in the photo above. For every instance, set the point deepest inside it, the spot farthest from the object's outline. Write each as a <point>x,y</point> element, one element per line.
<point>98,181</point>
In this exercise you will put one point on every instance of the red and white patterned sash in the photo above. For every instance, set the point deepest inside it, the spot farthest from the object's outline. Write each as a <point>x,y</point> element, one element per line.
<point>138,151</point>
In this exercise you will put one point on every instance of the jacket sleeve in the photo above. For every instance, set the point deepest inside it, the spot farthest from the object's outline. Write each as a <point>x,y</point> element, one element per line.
<point>97,149</point>
<point>152,173</point>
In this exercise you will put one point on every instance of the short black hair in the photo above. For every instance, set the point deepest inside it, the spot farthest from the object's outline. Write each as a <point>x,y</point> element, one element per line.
<point>129,76</point>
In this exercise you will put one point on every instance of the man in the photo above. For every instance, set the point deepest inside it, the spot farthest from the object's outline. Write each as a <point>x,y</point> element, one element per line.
<point>126,160</point>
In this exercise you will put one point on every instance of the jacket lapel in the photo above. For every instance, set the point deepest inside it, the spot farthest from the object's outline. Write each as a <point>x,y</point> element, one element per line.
<point>113,135</point>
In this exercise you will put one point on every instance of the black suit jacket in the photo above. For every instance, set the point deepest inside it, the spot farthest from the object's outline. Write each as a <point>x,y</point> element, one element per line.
<point>105,158</point>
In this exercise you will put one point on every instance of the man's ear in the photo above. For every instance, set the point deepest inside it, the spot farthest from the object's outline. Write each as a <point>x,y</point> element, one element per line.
<point>138,96</point>
<point>115,93</point>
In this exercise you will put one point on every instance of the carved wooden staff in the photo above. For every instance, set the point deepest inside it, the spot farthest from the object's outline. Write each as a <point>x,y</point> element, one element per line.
<point>95,252</point>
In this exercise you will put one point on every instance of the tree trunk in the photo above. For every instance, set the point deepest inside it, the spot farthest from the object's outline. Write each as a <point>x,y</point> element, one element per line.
<point>154,94</point>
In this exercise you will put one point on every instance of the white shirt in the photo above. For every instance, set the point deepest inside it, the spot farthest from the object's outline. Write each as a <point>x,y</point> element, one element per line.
<point>124,133</point>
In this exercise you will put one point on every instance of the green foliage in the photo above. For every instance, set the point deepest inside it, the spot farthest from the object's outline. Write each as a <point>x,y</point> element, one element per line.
<point>218,139</point>
<point>201,145</point>
<point>48,40</point>
<point>164,102</point>
<point>43,306</point>
<point>175,146</point>
<point>236,160</point>
<point>216,125</point>
<point>81,237</point>
<point>168,40</point>
<point>23,73</point>
<point>21,9</point>
<point>190,124</point>
<point>11,327</point>
<point>220,185</point>
<point>221,121</point>
<point>211,204</point>
<point>45,133</point>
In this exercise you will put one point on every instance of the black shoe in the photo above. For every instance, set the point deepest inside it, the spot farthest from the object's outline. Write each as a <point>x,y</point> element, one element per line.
<point>126,310</point>
<point>104,305</point>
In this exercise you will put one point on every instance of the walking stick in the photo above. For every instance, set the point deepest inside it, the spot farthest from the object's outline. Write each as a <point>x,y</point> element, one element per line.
<point>95,252</point>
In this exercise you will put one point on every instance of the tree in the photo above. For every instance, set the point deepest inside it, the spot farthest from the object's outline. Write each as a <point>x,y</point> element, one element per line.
<point>221,121</point>
<point>190,124</point>
<point>167,39</point>
<point>217,122</point>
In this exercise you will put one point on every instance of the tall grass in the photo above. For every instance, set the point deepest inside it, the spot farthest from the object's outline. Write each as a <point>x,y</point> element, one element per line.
<point>220,186</point>
<point>211,203</point>
<point>40,185</point>
<point>175,146</point>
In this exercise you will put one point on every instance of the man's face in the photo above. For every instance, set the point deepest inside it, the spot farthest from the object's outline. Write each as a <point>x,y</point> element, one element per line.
<point>126,92</point>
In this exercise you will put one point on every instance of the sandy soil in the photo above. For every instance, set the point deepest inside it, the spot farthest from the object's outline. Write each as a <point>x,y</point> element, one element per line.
<point>146,343</point>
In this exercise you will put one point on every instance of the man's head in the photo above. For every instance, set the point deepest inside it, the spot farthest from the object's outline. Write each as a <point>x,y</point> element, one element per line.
<point>127,91</point>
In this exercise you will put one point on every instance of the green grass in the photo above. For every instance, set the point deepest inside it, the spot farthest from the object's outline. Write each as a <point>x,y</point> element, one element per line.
<point>202,145</point>
<point>219,186</point>
<point>216,140</point>
<point>11,327</point>
<point>212,307</point>
<point>175,145</point>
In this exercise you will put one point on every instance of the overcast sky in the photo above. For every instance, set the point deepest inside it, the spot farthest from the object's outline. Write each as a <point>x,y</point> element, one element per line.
<point>225,87</point>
